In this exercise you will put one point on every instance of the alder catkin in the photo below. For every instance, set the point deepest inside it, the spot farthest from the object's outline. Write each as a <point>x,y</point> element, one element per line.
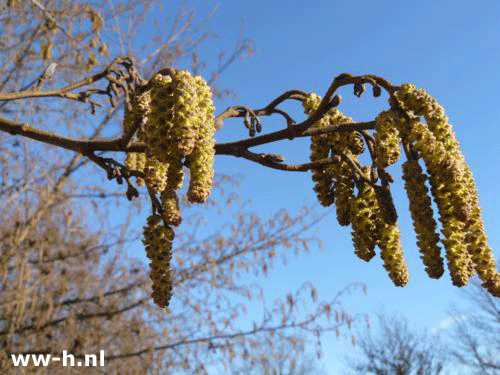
<point>391,252</point>
<point>156,174</point>
<point>363,217</point>
<point>386,136</point>
<point>170,204</point>
<point>423,218</point>
<point>174,114</point>
<point>320,149</point>
<point>158,243</point>
<point>335,182</point>
<point>453,189</point>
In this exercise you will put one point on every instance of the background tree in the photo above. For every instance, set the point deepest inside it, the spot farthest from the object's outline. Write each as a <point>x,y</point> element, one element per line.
<point>475,332</point>
<point>395,349</point>
<point>66,280</point>
<point>279,359</point>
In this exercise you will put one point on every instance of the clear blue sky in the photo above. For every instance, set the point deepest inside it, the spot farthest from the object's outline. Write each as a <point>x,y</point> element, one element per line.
<point>449,47</point>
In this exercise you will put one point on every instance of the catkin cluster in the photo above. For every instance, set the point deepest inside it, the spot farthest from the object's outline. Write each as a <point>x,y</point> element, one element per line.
<point>371,212</point>
<point>334,182</point>
<point>366,212</point>
<point>174,116</point>
<point>453,188</point>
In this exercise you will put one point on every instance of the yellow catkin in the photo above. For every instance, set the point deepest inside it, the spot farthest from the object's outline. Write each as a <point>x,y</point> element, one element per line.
<point>477,243</point>
<point>140,166</point>
<point>386,136</point>
<point>335,182</point>
<point>443,140</point>
<point>170,204</point>
<point>175,174</point>
<point>341,143</point>
<point>450,194</point>
<point>136,161</point>
<point>344,193</point>
<point>452,185</point>
<point>456,251</point>
<point>391,252</point>
<point>174,114</point>
<point>131,160</point>
<point>158,243</point>
<point>201,160</point>
<point>201,167</point>
<point>363,217</point>
<point>156,174</point>
<point>423,218</point>
<point>320,149</point>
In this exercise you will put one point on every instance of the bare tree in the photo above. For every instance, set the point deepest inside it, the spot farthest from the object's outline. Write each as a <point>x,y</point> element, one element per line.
<point>283,361</point>
<point>476,332</point>
<point>395,349</point>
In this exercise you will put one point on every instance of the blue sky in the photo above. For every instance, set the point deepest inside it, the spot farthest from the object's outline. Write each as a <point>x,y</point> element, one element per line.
<point>449,47</point>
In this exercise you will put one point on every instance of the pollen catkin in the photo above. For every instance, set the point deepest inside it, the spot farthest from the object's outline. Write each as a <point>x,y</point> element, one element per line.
<point>156,174</point>
<point>335,182</point>
<point>131,160</point>
<point>158,243</point>
<point>391,252</point>
<point>477,243</point>
<point>456,251</point>
<point>140,164</point>
<point>387,148</point>
<point>174,116</point>
<point>201,160</point>
<point>170,204</point>
<point>450,196</point>
<point>363,219</point>
<point>344,193</point>
<point>438,140</point>
<point>445,173</point>
<point>320,149</point>
<point>175,174</point>
<point>341,144</point>
<point>201,168</point>
<point>136,161</point>
<point>423,218</point>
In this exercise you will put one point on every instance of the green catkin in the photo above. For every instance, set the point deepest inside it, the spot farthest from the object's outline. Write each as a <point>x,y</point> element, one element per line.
<point>391,252</point>
<point>136,161</point>
<point>341,144</point>
<point>335,182</point>
<point>344,194</point>
<point>387,148</point>
<point>156,174</point>
<point>131,160</point>
<point>201,160</point>
<point>175,174</point>
<point>423,218</point>
<point>320,149</point>
<point>158,243</point>
<point>449,194</point>
<point>440,139</point>
<point>174,114</point>
<point>363,217</point>
<point>454,190</point>
<point>200,166</point>
<point>170,204</point>
<point>140,166</point>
